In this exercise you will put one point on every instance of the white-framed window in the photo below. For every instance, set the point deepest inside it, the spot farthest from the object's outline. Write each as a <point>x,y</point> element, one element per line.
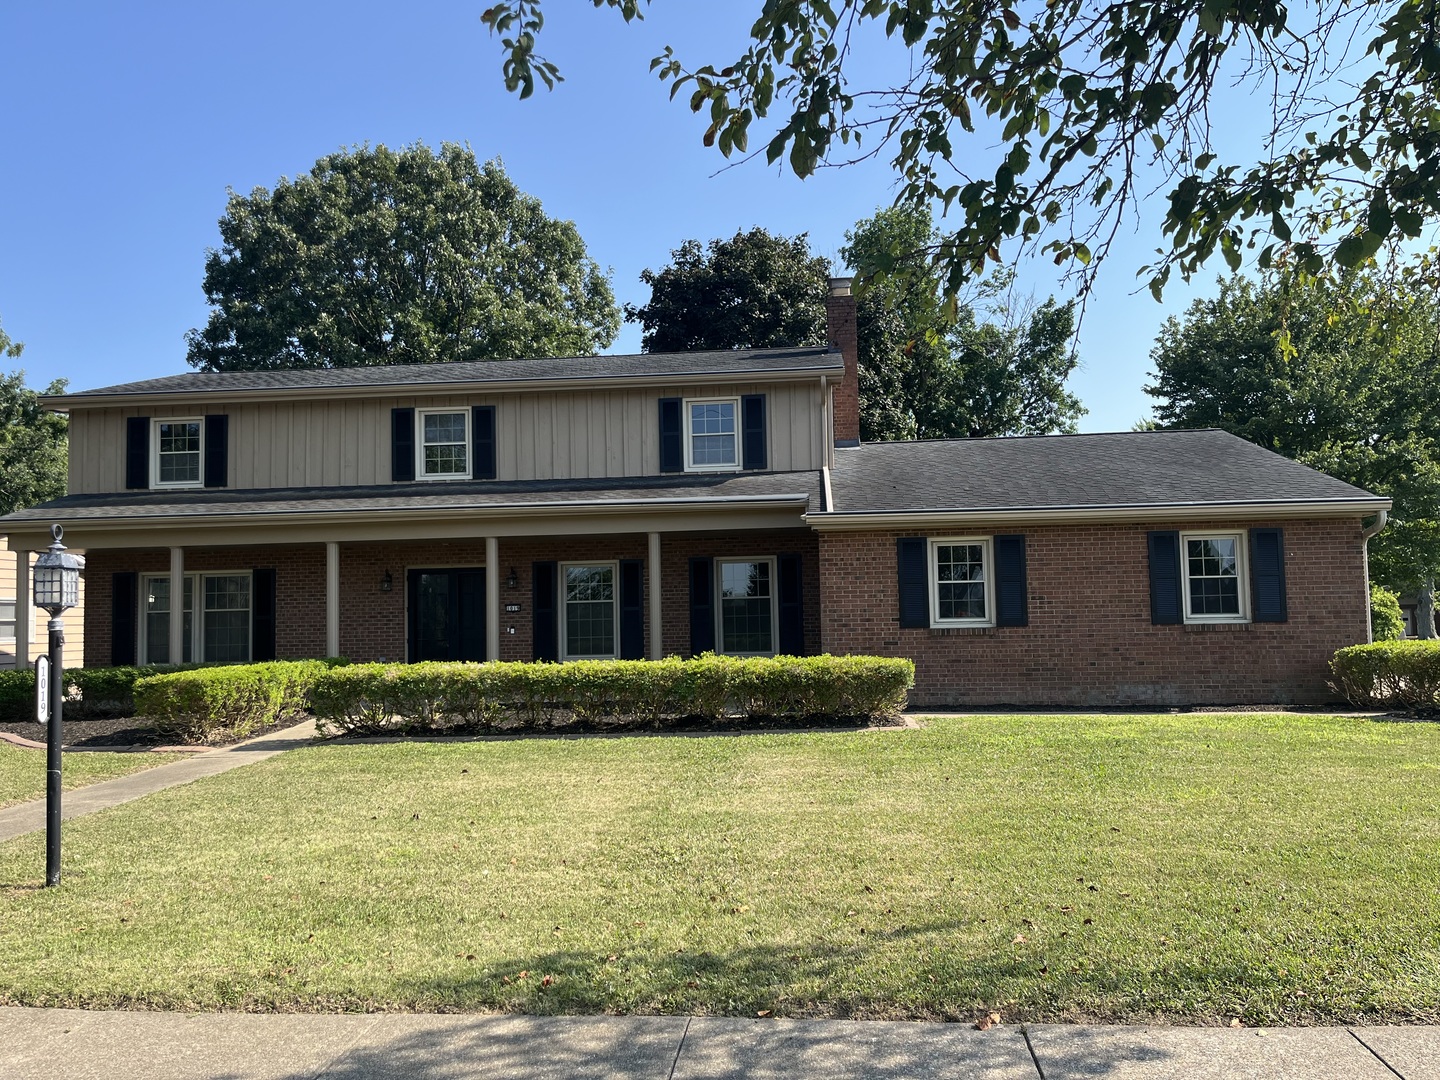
<point>1213,566</point>
<point>177,451</point>
<point>962,586</point>
<point>746,598</point>
<point>443,445</point>
<point>590,611</point>
<point>712,440</point>
<point>7,619</point>
<point>221,634</point>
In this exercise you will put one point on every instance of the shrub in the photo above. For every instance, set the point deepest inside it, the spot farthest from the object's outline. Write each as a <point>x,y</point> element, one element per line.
<point>204,705</point>
<point>1386,622</point>
<point>1389,674</point>
<point>396,699</point>
<point>90,693</point>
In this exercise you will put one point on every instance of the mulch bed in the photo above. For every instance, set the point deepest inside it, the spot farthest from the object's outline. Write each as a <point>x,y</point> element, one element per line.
<point>122,731</point>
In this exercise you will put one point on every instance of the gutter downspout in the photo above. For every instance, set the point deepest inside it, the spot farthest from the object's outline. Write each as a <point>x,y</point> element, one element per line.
<point>1381,519</point>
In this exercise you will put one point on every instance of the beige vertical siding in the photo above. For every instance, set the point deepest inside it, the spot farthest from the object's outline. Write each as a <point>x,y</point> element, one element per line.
<point>39,638</point>
<point>540,436</point>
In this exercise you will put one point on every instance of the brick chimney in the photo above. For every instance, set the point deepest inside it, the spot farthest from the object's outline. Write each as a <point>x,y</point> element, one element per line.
<point>840,329</point>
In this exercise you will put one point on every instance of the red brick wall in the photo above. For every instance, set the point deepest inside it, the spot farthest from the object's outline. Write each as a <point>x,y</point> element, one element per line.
<point>1090,641</point>
<point>841,330</point>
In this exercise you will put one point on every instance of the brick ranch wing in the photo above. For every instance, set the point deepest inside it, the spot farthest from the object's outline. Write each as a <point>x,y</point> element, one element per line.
<point>644,506</point>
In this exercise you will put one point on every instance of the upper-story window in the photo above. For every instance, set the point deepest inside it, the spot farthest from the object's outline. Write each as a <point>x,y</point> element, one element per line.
<point>711,441</point>
<point>444,444</point>
<point>178,450</point>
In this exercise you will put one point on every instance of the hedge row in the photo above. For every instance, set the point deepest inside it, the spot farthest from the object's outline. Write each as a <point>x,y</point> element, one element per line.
<point>203,705</point>
<point>90,693</point>
<point>398,699</point>
<point>1389,674</point>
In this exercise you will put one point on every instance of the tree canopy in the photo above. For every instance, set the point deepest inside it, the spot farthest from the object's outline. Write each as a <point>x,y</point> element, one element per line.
<point>1342,376</point>
<point>33,450</point>
<point>379,256</point>
<point>1094,103</point>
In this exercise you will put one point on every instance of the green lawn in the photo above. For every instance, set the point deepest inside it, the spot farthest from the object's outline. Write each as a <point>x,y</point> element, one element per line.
<point>1280,868</point>
<point>22,771</point>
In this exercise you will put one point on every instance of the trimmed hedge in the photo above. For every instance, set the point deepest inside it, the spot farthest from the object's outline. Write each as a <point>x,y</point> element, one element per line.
<point>1389,674</point>
<point>203,705</point>
<point>90,693</point>
<point>400,699</point>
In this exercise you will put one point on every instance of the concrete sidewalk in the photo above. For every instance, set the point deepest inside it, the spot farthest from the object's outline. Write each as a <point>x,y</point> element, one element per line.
<point>30,817</point>
<point>63,1044</point>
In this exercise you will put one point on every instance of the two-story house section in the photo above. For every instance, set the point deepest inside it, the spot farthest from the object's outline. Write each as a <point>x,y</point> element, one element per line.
<point>674,504</point>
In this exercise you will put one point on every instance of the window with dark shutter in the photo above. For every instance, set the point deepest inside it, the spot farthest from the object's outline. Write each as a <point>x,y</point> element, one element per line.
<point>546,627</point>
<point>262,615</point>
<point>217,451</point>
<point>1166,608</point>
<point>1011,602</point>
<point>702,606</point>
<point>752,413</point>
<point>1267,575</point>
<point>914,594</point>
<point>632,609</point>
<point>672,436</point>
<point>402,445</point>
<point>124,611</point>
<point>137,452</point>
<point>792,604</point>
<point>482,434</point>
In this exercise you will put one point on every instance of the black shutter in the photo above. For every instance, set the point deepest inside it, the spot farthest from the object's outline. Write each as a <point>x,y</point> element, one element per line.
<point>672,448</point>
<point>914,591</point>
<point>752,411</point>
<point>1267,575</point>
<point>792,605</point>
<point>262,615</point>
<point>402,445</point>
<point>137,452</point>
<point>124,610</point>
<point>702,606</point>
<point>546,632</point>
<point>217,451</point>
<point>632,609</point>
<point>482,435</point>
<point>1166,608</point>
<point>1011,606</point>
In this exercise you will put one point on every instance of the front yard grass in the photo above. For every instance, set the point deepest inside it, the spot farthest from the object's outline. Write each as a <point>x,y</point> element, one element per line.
<point>1284,869</point>
<point>22,770</point>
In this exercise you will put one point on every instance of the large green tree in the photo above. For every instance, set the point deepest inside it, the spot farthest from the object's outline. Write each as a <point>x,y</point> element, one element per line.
<point>752,291</point>
<point>379,256</point>
<point>932,369</point>
<point>1340,375</point>
<point>33,449</point>
<point>1094,103</point>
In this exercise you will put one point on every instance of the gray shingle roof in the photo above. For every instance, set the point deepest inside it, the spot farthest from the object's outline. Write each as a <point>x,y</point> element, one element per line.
<point>471,495</point>
<point>726,363</point>
<point>1141,468</point>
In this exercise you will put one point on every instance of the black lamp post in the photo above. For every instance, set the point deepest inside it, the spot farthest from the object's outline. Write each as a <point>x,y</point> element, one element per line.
<point>57,587</point>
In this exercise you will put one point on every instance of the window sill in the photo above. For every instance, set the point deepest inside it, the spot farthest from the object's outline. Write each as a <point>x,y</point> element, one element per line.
<point>1214,627</point>
<point>962,631</point>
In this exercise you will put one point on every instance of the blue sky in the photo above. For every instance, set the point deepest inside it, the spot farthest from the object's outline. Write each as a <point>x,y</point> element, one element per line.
<point>124,125</point>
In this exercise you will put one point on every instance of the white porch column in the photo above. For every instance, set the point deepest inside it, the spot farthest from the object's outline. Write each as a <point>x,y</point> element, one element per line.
<point>657,644</point>
<point>492,598</point>
<point>332,598</point>
<point>24,610</point>
<point>177,605</point>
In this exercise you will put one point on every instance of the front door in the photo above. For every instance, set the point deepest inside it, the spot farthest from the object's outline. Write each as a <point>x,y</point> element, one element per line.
<point>447,614</point>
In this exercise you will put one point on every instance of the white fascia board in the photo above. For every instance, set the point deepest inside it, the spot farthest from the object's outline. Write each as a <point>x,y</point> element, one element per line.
<point>1059,515</point>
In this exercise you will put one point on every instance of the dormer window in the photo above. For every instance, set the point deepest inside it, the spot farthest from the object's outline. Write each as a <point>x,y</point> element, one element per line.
<point>444,444</point>
<point>177,453</point>
<point>711,442</point>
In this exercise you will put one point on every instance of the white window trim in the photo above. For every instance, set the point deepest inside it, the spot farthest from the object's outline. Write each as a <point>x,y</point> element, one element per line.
<point>690,465</point>
<point>774,603</point>
<point>565,654</point>
<point>469,443</point>
<point>197,624</point>
<point>1242,572</point>
<point>932,571</point>
<point>155,481</point>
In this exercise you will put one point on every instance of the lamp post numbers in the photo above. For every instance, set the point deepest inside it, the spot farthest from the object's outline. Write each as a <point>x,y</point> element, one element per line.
<point>56,588</point>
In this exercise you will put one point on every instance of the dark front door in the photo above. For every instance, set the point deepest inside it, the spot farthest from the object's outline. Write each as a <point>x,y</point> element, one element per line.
<point>447,614</point>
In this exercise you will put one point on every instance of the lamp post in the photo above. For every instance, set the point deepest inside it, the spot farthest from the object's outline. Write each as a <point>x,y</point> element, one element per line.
<point>57,587</point>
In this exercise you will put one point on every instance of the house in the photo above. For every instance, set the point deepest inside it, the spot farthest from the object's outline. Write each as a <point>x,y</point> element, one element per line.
<point>23,633</point>
<point>641,506</point>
